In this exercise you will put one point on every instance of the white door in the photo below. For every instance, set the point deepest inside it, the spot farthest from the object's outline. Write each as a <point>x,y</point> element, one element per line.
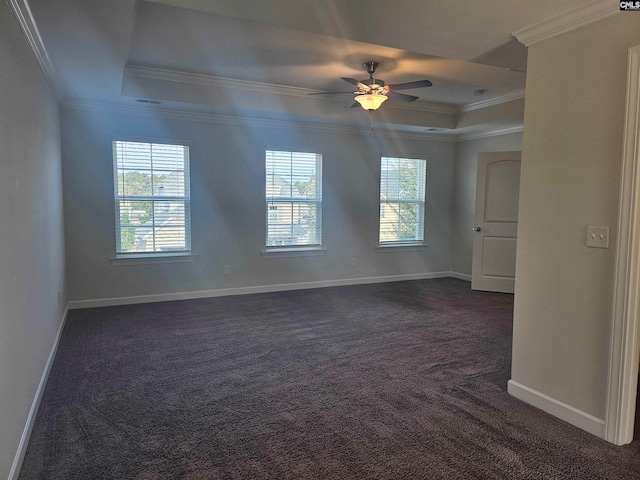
<point>494,241</point>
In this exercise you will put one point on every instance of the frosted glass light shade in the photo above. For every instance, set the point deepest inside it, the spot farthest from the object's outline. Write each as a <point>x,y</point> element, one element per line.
<point>370,101</point>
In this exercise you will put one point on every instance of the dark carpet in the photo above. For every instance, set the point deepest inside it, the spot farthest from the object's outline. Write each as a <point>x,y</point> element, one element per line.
<point>402,380</point>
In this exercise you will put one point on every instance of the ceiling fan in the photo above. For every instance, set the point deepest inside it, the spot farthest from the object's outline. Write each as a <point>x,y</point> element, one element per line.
<point>373,92</point>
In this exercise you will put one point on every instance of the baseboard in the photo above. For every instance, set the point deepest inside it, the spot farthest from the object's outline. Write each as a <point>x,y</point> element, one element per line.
<point>222,292</point>
<point>565,412</point>
<point>31,418</point>
<point>460,276</point>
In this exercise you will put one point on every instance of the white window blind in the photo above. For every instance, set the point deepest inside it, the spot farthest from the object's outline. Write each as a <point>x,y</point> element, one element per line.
<point>402,200</point>
<point>293,198</point>
<point>151,197</point>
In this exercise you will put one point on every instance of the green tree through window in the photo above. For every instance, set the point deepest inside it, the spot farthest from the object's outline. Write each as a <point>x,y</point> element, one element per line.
<point>402,200</point>
<point>293,188</point>
<point>152,197</point>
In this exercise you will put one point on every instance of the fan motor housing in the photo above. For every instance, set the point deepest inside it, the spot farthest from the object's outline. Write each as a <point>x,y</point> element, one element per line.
<point>373,81</point>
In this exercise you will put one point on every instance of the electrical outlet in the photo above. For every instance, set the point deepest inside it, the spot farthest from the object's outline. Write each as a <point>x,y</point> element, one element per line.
<point>227,270</point>
<point>354,262</point>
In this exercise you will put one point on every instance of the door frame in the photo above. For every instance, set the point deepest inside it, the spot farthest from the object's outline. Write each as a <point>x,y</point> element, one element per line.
<point>625,328</point>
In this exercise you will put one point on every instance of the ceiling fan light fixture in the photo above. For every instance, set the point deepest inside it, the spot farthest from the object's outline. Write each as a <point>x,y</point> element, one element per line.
<point>370,101</point>
<point>373,92</point>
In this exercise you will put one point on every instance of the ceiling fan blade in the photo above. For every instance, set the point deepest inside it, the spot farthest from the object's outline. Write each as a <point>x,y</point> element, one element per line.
<point>329,93</point>
<point>408,85</point>
<point>401,97</point>
<point>355,104</point>
<point>355,82</point>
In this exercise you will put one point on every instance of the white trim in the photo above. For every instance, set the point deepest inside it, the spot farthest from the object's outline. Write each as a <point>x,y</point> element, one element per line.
<point>151,111</point>
<point>152,258</point>
<point>570,20</point>
<point>311,148</point>
<point>28,25</point>
<point>625,350</point>
<point>509,97</point>
<point>424,106</point>
<point>489,133</point>
<point>559,409</point>
<point>213,81</point>
<point>161,140</point>
<point>460,276</point>
<point>268,88</point>
<point>223,292</point>
<point>31,418</point>
<point>277,252</point>
<point>404,154</point>
<point>401,247</point>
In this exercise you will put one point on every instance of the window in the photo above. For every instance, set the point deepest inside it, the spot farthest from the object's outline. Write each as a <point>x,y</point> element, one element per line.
<point>273,214</point>
<point>402,200</point>
<point>293,199</point>
<point>151,197</point>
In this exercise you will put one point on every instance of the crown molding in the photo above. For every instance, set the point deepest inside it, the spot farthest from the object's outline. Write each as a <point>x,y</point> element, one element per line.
<point>570,20</point>
<point>489,133</point>
<point>23,14</point>
<point>213,81</point>
<point>151,111</point>
<point>268,88</point>
<point>509,97</point>
<point>423,106</point>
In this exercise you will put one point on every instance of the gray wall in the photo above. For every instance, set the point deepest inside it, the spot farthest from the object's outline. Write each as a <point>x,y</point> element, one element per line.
<point>465,193</point>
<point>227,188</point>
<point>31,235</point>
<point>572,148</point>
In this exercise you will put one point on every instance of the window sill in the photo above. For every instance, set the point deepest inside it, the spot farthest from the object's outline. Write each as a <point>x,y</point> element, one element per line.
<point>152,258</point>
<point>401,247</point>
<point>293,252</point>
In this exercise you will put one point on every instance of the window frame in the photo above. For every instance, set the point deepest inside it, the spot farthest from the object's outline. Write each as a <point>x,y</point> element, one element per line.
<point>315,247</point>
<point>417,243</point>
<point>143,257</point>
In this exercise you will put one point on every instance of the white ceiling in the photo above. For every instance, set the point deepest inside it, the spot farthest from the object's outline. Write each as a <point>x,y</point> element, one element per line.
<point>260,58</point>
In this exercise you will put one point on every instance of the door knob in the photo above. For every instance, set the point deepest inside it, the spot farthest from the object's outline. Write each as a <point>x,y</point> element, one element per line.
<point>476,229</point>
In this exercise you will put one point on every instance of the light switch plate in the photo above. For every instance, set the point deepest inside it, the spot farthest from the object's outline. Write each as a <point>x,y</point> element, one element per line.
<point>598,237</point>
